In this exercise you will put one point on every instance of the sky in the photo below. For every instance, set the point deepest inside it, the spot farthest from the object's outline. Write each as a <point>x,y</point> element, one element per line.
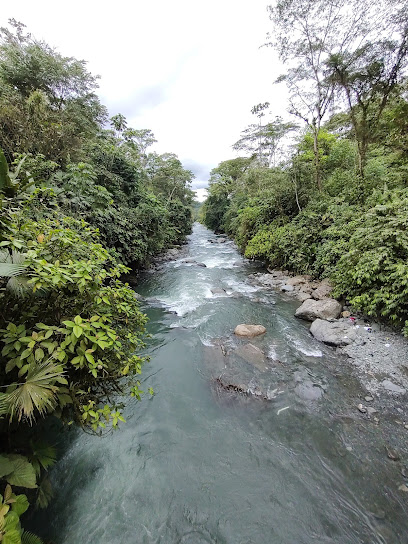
<point>190,71</point>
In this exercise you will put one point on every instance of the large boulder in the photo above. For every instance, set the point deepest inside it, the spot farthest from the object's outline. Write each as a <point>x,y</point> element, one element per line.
<point>319,309</point>
<point>338,333</point>
<point>249,331</point>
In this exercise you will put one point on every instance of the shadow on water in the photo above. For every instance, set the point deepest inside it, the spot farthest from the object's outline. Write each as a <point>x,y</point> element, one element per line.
<point>280,460</point>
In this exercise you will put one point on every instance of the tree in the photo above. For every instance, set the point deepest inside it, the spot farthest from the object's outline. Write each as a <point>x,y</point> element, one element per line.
<point>48,103</point>
<point>264,140</point>
<point>368,77</point>
<point>307,33</point>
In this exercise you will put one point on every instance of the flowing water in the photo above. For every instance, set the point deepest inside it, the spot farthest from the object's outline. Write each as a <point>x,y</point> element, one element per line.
<point>278,461</point>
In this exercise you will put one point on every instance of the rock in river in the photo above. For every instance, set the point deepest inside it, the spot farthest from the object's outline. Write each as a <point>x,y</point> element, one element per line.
<point>253,355</point>
<point>218,291</point>
<point>249,331</point>
<point>324,309</point>
<point>393,387</point>
<point>334,334</point>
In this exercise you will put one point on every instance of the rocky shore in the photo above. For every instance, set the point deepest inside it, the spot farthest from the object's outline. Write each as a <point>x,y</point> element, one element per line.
<point>379,353</point>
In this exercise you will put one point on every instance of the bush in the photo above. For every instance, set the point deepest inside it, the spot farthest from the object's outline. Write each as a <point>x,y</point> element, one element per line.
<point>373,274</point>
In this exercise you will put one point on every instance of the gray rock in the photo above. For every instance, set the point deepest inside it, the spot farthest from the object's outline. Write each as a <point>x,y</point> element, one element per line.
<point>333,334</point>
<point>323,290</point>
<point>249,331</point>
<point>287,288</point>
<point>368,398</point>
<point>253,355</point>
<point>371,411</point>
<point>202,265</point>
<point>308,390</point>
<point>297,280</point>
<point>302,296</point>
<point>218,291</point>
<point>319,309</point>
<point>394,388</point>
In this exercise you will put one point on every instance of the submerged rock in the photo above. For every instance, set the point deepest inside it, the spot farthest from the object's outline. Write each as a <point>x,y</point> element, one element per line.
<point>218,291</point>
<point>253,355</point>
<point>323,309</point>
<point>334,334</point>
<point>249,331</point>
<point>308,390</point>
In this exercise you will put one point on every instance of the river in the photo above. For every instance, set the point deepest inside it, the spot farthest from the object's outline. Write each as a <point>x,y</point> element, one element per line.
<point>201,463</point>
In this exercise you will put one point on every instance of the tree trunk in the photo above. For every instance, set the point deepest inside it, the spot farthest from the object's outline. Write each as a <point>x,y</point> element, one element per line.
<point>318,177</point>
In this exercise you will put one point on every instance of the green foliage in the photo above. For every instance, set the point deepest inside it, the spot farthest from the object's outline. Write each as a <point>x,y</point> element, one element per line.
<point>373,274</point>
<point>11,508</point>
<point>78,202</point>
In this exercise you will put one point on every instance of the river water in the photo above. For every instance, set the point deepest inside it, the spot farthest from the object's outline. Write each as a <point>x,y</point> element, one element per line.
<point>278,462</point>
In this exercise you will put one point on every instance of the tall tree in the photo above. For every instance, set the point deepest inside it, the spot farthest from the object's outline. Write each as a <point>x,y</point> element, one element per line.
<point>369,76</point>
<point>307,33</point>
<point>264,141</point>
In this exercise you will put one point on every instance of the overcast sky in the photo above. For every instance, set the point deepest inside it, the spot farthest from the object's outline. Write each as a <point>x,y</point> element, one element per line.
<point>190,71</point>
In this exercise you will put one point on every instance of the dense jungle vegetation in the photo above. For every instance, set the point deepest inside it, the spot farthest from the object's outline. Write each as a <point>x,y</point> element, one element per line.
<point>334,203</point>
<point>82,201</point>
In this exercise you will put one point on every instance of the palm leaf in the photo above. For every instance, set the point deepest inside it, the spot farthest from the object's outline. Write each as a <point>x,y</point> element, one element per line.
<point>12,265</point>
<point>30,538</point>
<point>19,287</point>
<point>8,270</point>
<point>38,393</point>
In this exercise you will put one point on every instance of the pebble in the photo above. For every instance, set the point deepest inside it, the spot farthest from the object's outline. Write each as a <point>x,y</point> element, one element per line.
<point>403,488</point>
<point>371,411</point>
<point>362,409</point>
<point>368,398</point>
<point>379,514</point>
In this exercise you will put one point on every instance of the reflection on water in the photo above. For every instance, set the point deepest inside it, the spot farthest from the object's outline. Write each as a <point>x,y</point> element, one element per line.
<point>199,463</point>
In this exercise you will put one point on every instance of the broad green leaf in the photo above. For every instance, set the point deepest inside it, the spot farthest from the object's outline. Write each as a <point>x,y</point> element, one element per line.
<point>21,505</point>
<point>77,331</point>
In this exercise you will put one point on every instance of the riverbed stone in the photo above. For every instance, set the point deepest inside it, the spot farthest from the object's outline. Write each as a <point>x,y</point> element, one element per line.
<point>287,288</point>
<point>253,355</point>
<point>393,387</point>
<point>322,309</point>
<point>308,390</point>
<point>249,331</point>
<point>218,291</point>
<point>297,280</point>
<point>323,290</point>
<point>333,334</point>
<point>302,296</point>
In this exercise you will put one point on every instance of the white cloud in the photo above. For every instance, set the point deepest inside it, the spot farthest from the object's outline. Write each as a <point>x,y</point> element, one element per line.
<point>201,195</point>
<point>189,71</point>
